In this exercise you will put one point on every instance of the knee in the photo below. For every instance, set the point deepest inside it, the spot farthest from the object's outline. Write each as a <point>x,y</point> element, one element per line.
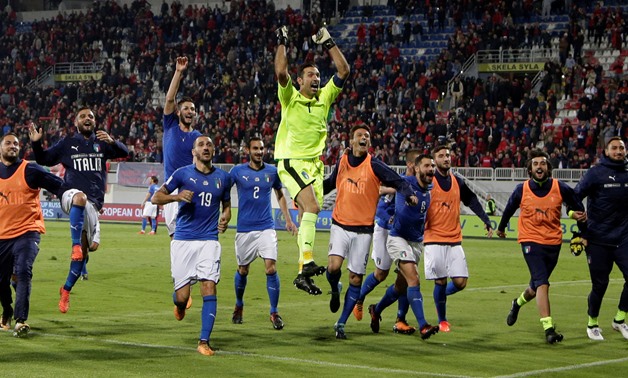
<point>79,199</point>
<point>243,270</point>
<point>380,274</point>
<point>460,284</point>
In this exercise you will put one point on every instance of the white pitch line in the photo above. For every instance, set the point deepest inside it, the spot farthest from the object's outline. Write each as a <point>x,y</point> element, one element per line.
<point>563,368</point>
<point>258,356</point>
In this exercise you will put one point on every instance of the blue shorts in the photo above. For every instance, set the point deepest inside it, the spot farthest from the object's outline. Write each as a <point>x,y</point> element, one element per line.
<point>541,260</point>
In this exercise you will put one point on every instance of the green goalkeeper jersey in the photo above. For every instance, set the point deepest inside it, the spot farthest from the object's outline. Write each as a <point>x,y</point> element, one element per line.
<point>303,128</point>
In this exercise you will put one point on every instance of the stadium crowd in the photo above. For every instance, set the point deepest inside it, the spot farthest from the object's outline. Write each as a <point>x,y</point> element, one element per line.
<point>231,79</point>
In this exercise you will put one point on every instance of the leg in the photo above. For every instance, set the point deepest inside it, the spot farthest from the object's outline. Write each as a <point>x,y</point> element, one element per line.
<point>351,297</point>
<point>77,201</point>
<point>144,221</point>
<point>25,252</point>
<point>239,282</point>
<point>413,293</point>
<point>306,199</point>
<point>6,270</point>
<point>600,266</point>
<point>208,316</point>
<point>333,277</point>
<point>273,288</point>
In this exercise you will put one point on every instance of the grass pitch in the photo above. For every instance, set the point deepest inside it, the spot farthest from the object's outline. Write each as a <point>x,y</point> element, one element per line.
<point>121,324</point>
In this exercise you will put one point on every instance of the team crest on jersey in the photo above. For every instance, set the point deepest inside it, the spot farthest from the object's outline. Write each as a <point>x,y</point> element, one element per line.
<point>205,183</point>
<point>305,175</point>
<point>218,183</point>
<point>96,147</point>
<point>267,177</point>
<point>526,249</point>
<point>257,179</point>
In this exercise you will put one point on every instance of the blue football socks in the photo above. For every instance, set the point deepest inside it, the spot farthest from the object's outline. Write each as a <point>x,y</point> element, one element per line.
<point>208,316</point>
<point>272,286</point>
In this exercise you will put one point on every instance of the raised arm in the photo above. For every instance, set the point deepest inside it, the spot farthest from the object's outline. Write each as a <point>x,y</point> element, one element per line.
<point>322,37</point>
<point>281,57</point>
<point>171,95</point>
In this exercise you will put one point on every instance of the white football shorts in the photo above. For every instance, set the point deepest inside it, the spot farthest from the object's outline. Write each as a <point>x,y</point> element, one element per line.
<point>171,211</point>
<point>253,244</point>
<point>400,249</point>
<point>194,260</point>
<point>380,253</point>
<point>91,224</point>
<point>351,246</point>
<point>442,261</point>
<point>150,210</point>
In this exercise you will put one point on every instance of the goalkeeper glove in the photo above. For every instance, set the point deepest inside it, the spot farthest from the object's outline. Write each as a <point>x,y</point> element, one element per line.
<point>322,37</point>
<point>576,246</point>
<point>282,35</point>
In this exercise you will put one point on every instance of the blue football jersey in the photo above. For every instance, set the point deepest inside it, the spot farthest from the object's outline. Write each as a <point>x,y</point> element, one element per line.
<point>177,145</point>
<point>198,220</point>
<point>254,196</point>
<point>385,211</point>
<point>409,221</point>
<point>152,189</point>
<point>85,163</point>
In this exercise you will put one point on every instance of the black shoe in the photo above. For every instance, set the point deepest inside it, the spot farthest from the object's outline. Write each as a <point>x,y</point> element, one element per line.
<point>334,302</point>
<point>340,331</point>
<point>306,284</point>
<point>375,319</point>
<point>428,330</point>
<point>311,269</point>
<point>513,314</point>
<point>552,336</point>
<point>276,320</point>
<point>237,315</point>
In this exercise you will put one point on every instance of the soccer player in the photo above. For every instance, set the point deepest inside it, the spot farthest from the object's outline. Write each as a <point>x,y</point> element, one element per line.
<point>256,234</point>
<point>540,234</point>
<point>179,135</point>
<point>357,178</point>
<point>84,156</point>
<point>606,234</point>
<point>195,251</point>
<point>150,211</point>
<point>379,255</point>
<point>444,256</point>
<point>21,223</point>
<point>405,247</point>
<point>301,139</point>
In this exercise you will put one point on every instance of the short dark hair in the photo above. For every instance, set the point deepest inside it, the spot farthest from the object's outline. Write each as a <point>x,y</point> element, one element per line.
<point>80,109</point>
<point>154,179</point>
<point>437,149</point>
<point>185,99</point>
<point>253,139</point>
<point>357,127</point>
<point>305,65</point>
<point>613,139</point>
<point>10,133</point>
<point>202,136</point>
<point>535,154</point>
<point>417,160</point>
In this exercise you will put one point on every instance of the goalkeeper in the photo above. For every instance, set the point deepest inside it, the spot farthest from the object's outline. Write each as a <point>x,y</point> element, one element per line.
<point>540,234</point>
<point>605,186</point>
<point>301,139</point>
